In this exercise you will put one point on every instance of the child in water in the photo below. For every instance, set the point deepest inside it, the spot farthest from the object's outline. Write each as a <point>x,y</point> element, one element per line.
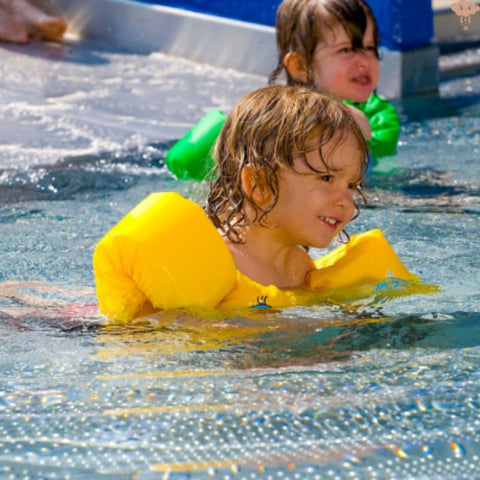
<point>329,45</point>
<point>332,46</point>
<point>290,167</point>
<point>290,162</point>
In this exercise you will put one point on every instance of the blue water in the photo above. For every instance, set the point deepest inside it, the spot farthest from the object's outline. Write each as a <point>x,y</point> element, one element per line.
<point>383,388</point>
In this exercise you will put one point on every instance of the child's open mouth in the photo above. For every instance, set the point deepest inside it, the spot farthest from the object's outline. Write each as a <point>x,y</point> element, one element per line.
<point>329,221</point>
<point>362,79</point>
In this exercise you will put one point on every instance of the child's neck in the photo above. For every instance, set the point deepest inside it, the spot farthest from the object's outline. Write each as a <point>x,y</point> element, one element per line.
<point>269,262</point>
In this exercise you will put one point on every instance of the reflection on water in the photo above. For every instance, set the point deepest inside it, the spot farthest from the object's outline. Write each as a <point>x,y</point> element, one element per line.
<point>307,393</point>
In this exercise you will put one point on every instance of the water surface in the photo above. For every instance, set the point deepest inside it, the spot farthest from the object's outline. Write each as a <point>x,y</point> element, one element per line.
<point>378,388</point>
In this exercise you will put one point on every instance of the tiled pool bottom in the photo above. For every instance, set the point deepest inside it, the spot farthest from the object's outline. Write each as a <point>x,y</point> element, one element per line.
<point>381,389</point>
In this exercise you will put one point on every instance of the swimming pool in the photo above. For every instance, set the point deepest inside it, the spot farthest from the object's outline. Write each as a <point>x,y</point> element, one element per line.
<point>379,389</point>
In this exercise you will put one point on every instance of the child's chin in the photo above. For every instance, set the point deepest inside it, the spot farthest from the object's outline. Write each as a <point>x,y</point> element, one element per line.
<point>360,97</point>
<point>324,244</point>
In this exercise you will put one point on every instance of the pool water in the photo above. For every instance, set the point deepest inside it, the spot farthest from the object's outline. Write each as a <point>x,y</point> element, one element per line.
<point>381,388</point>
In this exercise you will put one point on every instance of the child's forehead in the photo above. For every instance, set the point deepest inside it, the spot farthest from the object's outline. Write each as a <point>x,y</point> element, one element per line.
<point>316,143</point>
<point>334,33</point>
<point>344,162</point>
<point>327,22</point>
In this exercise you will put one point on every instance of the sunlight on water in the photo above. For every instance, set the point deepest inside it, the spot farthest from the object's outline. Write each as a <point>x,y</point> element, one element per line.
<point>375,388</point>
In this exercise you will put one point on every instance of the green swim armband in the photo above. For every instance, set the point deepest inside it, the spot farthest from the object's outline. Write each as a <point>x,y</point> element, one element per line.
<point>191,157</point>
<point>385,124</point>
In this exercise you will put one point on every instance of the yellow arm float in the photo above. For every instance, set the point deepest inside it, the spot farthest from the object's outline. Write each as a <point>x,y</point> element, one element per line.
<point>164,254</point>
<point>167,254</point>
<point>366,259</point>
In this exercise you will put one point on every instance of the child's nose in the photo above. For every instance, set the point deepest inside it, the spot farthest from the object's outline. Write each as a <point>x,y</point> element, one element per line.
<point>344,197</point>
<point>361,57</point>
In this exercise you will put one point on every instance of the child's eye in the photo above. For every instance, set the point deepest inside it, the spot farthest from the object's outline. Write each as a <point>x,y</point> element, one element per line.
<point>344,50</point>
<point>326,177</point>
<point>353,186</point>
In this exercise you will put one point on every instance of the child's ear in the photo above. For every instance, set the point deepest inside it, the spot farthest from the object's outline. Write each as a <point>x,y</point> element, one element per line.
<point>254,185</point>
<point>295,65</point>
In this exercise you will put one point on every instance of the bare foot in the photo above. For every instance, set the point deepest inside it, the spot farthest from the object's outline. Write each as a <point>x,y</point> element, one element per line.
<point>51,28</point>
<point>34,21</point>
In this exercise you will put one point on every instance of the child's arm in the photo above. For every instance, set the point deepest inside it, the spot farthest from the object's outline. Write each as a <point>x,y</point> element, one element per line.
<point>361,120</point>
<point>191,157</point>
<point>385,124</point>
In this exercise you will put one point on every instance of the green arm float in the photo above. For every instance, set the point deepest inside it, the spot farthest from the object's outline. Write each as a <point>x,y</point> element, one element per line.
<point>385,124</point>
<point>191,157</point>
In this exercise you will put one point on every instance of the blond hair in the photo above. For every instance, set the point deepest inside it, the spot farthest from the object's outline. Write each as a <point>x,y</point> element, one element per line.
<point>266,129</point>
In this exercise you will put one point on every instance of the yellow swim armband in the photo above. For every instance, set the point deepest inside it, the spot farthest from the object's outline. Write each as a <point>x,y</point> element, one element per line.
<point>166,254</point>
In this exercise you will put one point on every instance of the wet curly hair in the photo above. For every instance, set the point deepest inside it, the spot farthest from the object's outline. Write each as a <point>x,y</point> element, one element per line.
<point>269,127</point>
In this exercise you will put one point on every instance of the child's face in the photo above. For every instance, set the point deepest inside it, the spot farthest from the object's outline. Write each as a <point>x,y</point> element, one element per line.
<point>313,208</point>
<point>339,70</point>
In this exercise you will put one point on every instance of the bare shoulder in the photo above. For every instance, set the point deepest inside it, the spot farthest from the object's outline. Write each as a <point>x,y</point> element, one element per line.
<point>361,120</point>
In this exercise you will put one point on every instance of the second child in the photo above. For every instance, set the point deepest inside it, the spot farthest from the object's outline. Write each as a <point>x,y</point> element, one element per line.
<point>332,46</point>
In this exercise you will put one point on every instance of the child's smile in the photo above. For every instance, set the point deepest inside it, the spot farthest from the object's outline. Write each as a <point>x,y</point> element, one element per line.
<point>330,221</point>
<point>314,207</point>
